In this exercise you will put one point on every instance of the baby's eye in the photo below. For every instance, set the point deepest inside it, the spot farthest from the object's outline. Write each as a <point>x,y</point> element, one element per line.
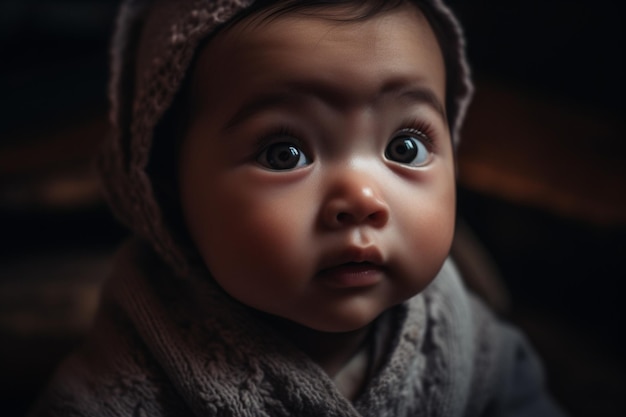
<point>283,156</point>
<point>408,147</point>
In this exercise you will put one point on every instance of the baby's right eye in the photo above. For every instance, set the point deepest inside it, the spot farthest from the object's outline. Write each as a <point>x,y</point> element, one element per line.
<point>283,156</point>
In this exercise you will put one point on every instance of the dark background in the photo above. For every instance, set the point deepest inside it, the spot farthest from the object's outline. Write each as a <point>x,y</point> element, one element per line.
<point>542,175</point>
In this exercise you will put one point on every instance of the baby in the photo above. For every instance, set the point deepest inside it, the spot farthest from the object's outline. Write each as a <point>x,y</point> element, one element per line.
<point>288,170</point>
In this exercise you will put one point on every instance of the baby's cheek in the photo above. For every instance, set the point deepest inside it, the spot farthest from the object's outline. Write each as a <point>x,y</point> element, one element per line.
<point>278,240</point>
<point>259,247</point>
<point>424,236</point>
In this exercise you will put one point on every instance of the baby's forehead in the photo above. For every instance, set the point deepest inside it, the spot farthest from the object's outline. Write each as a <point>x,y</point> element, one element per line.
<point>315,21</point>
<point>340,59</point>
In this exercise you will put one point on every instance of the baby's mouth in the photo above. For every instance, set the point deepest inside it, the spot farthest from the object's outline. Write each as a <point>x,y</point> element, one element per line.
<point>352,275</point>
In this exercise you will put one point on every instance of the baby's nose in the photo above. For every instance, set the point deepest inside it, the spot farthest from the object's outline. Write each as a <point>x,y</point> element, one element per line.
<point>355,200</point>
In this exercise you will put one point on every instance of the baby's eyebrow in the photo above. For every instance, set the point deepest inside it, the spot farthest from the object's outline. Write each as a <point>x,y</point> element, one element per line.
<point>291,91</point>
<point>257,104</point>
<point>425,96</point>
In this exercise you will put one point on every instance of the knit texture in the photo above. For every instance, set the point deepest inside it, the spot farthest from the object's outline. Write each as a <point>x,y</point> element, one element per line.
<point>167,347</point>
<point>153,46</point>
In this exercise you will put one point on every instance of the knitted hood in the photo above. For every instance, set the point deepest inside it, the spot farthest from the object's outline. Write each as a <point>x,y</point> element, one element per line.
<point>153,46</point>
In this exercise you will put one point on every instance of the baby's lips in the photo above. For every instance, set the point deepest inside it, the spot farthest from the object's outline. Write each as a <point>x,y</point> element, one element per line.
<point>352,275</point>
<point>353,255</point>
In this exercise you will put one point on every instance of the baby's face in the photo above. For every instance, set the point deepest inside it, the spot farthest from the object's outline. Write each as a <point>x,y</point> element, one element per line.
<point>317,174</point>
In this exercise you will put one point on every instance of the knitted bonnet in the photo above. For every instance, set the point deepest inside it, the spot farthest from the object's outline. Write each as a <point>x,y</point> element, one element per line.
<point>153,47</point>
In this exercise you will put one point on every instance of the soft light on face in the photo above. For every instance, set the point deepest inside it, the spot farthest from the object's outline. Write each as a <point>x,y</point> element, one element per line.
<point>317,176</point>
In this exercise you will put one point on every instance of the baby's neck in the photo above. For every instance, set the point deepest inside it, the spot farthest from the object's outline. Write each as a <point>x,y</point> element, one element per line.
<point>331,351</point>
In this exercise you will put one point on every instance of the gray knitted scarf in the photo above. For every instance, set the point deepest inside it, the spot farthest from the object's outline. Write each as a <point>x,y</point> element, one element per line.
<point>164,347</point>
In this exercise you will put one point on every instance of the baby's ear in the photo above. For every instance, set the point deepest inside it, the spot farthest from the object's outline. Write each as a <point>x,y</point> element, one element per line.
<point>478,269</point>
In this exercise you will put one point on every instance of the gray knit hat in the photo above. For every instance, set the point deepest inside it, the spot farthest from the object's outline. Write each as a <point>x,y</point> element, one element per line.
<point>153,47</point>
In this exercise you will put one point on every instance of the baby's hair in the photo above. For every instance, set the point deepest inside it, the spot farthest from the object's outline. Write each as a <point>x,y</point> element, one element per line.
<point>356,10</point>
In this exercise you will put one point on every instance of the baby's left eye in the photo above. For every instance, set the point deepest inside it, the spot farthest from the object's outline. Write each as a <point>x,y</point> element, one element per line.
<point>409,148</point>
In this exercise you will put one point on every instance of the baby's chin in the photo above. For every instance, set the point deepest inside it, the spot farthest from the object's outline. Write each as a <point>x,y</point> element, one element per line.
<point>338,327</point>
<point>344,323</point>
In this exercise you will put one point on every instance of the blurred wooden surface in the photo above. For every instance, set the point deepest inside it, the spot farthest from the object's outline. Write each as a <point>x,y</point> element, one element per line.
<point>537,151</point>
